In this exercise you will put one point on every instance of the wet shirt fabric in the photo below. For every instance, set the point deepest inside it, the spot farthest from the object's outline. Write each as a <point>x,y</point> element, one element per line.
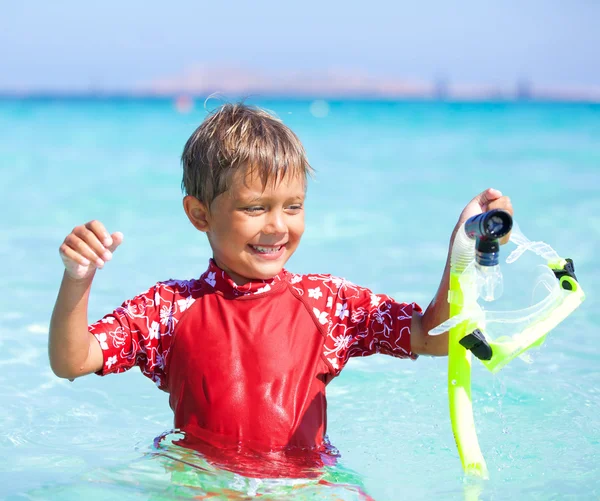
<point>247,366</point>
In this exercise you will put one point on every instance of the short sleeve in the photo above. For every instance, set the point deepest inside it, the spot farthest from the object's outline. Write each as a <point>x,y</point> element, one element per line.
<point>132,335</point>
<point>359,322</point>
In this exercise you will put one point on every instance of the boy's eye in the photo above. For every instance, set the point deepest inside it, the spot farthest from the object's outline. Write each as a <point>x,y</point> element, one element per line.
<point>294,208</point>
<point>254,209</point>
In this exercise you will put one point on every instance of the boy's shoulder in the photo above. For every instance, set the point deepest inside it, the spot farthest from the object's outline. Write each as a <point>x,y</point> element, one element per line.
<point>181,286</point>
<point>193,287</point>
<point>168,291</point>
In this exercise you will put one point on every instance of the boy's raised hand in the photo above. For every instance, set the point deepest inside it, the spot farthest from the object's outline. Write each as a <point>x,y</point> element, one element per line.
<point>484,202</point>
<point>87,248</point>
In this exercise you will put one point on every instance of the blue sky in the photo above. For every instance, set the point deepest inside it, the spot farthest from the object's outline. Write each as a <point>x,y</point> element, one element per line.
<point>70,44</point>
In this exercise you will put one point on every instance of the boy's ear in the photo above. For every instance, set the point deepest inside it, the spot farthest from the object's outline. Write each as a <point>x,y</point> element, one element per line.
<point>197,212</point>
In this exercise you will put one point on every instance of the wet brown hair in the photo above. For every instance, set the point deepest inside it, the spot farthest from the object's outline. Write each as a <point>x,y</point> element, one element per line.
<point>238,136</point>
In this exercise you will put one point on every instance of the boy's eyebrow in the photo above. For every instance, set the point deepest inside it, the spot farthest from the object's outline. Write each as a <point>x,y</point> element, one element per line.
<point>260,198</point>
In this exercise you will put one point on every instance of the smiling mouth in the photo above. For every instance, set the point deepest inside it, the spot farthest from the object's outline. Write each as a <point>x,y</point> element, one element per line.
<point>267,249</point>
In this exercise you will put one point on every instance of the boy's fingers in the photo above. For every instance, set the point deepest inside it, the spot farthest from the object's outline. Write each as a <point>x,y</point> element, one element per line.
<point>487,196</point>
<point>503,203</point>
<point>100,231</point>
<point>91,239</point>
<point>90,243</point>
<point>68,254</point>
<point>117,239</point>
<point>80,247</point>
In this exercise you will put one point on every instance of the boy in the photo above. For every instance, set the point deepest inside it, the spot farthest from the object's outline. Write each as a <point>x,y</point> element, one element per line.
<point>246,350</point>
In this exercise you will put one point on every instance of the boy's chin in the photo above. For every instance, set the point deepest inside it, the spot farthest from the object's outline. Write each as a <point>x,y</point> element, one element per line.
<point>255,273</point>
<point>267,272</point>
<point>265,269</point>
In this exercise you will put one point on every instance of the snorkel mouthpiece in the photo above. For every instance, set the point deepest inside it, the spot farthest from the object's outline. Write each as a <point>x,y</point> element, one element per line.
<point>487,229</point>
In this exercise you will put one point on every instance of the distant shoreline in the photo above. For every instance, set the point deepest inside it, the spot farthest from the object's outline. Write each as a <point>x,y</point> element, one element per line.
<point>256,96</point>
<point>235,82</point>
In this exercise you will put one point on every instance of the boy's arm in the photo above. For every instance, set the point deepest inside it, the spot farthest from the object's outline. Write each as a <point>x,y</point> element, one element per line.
<point>72,350</point>
<point>436,313</point>
<point>438,310</point>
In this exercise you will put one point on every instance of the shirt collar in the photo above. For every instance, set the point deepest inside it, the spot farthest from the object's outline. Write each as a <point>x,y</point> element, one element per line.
<point>219,280</point>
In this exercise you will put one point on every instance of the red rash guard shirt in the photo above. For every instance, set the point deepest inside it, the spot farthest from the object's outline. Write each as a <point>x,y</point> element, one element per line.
<point>247,366</point>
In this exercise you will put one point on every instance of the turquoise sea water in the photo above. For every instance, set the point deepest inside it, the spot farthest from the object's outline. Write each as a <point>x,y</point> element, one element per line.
<point>392,180</point>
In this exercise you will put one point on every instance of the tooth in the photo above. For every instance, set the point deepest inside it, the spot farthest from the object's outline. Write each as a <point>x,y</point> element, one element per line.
<point>266,250</point>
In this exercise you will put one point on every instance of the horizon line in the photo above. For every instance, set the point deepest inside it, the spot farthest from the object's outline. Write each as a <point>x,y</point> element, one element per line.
<point>330,97</point>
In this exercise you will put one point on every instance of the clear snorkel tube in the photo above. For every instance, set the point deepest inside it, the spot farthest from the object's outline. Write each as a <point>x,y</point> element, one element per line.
<point>498,337</point>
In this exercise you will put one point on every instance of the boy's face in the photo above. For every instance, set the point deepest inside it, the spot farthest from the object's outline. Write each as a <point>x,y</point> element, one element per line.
<point>254,231</point>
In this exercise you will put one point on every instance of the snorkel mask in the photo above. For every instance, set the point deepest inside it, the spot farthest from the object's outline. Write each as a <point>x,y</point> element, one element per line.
<point>495,337</point>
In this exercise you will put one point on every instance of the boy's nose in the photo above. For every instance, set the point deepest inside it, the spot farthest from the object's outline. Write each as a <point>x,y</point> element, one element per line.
<point>275,223</point>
